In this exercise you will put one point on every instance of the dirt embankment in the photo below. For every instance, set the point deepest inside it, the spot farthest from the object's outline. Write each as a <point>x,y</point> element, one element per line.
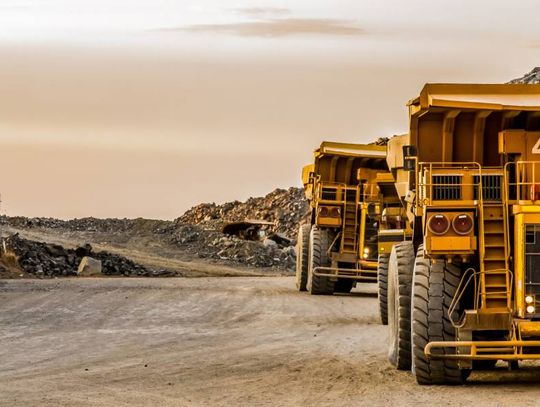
<point>195,237</point>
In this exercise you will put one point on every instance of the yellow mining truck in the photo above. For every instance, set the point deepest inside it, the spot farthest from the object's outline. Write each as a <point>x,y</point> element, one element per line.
<point>393,229</point>
<point>463,293</point>
<point>338,247</point>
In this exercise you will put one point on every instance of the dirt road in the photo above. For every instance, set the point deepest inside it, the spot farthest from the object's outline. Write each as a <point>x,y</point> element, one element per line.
<point>211,342</point>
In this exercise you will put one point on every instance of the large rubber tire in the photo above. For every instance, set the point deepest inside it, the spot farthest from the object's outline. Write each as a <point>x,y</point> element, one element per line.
<point>343,286</point>
<point>400,269</point>
<point>318,257</point>
<point>382,281</point>
<point>302,257</point>
<point>434,287</point>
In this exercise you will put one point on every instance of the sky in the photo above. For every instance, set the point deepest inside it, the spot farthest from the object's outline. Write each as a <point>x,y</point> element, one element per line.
<point>143,108</point>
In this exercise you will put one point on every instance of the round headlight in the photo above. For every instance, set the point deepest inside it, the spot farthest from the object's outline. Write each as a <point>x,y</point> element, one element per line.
<point>462,224</point>
<point>530,309</point>
<point>438,224</point>
<point>323,211</point>
<point>529,299</point>
<point>335,212</point>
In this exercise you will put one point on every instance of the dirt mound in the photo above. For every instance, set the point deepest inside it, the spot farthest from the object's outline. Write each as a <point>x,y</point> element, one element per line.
<point>286,207</point>
<point>199,229</point>
<point>51,260</point>
<point>197,233</point>
<point>214,245</point>
<point>530,77</point>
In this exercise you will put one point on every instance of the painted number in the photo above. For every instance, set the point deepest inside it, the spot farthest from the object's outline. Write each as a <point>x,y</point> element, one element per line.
<point>536,148</point>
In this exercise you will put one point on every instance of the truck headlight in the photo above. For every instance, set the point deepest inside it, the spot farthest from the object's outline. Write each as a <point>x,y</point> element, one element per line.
<point>529,299</point>
<point>323,211</point>
<point>438,224</point>
<point>530,309</point>
<point>366,252</point>
<point>462,224</point>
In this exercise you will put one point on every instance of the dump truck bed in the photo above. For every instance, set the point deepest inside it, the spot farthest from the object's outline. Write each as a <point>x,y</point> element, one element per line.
<point>340,162</point>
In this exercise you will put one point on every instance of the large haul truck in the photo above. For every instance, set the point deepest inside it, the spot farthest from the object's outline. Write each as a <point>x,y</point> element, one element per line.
<point>465,292</point>
<point>393,229</point>
<point>339,245</point>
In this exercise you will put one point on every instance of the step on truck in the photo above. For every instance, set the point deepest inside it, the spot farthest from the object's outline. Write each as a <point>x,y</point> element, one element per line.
<point>464,294</point>
<point>338,247</point>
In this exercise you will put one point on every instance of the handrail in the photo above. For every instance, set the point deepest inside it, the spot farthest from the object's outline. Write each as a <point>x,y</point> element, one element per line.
<point>460,290</point>
<point>520,179</point>
<point>506,215</point>
<point>426,168</point>
<point>321,186</point>
<point>464,284</point>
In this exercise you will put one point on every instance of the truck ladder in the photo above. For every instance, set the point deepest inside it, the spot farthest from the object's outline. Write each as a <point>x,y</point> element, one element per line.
<point>494,274</point>
<point>349,239</point>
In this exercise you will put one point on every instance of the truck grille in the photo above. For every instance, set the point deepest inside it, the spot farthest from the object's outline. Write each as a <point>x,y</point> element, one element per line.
<point>446,187</point>
<point>491,187</point>
<point>329,194</point>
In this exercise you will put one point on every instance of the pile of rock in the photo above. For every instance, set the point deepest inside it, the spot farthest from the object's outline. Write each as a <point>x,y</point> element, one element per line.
<point>109,225</point>
<point>198,233</point>
<point>50,260</point>
<point>211,244</point>
<point>286,208</point>
<point>530,77</point>
<point>381,141</point>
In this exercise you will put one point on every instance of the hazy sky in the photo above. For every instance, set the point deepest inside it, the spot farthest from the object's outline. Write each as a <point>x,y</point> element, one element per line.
<point>146,107</point>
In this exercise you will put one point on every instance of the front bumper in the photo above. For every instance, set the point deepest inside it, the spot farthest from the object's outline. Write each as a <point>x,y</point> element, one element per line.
<point>360,275</point>
<point>484,350</point>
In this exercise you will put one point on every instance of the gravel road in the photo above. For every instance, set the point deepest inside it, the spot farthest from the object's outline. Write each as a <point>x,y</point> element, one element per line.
<point>243,341</point>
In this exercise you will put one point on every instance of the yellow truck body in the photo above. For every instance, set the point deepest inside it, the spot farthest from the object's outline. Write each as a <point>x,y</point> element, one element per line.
<point>468,174</point>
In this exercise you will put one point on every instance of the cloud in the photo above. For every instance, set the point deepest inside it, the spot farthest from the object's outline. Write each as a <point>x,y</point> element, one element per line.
<point>279,27</point>
<point>257,12</point>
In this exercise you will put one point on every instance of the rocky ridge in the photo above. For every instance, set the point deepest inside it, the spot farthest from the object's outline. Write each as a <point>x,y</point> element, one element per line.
<point>286,207</point>
<point>198,232</point>
<point>531,77</point>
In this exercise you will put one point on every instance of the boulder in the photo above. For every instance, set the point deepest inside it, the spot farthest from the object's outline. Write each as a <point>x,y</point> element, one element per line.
<point>89,267</point>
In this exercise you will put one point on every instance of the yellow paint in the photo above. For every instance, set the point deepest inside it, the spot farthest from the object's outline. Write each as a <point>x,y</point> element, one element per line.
<point>450,244</point>
<point>529,328</point>
<point>328,221</point>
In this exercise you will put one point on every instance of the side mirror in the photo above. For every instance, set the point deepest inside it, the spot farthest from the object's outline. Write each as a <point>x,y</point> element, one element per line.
<point>409,164</point>
<point>409,158</point>
<point>409,151</point>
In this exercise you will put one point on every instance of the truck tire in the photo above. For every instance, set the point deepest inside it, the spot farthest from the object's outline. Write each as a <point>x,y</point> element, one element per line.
<point>343,285</point>
<point>302,257</point>
<point>382,281</point>
<point>318,257</point>
<point>400,269</point>
<point>434,286</point>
